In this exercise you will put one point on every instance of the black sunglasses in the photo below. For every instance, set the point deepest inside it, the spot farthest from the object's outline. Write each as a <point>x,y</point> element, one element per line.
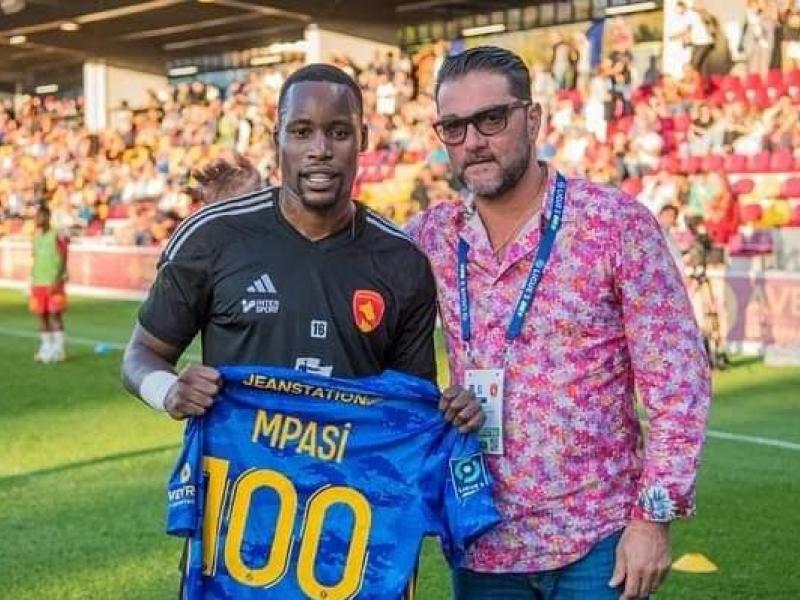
<point>489,121</point>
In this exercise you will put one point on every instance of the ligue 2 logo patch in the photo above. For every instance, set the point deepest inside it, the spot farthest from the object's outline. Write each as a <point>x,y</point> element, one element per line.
<point>469,475</point>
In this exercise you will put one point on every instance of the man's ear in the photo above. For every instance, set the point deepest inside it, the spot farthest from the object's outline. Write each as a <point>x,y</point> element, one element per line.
<point>534,120</point>
<point>364,138</point>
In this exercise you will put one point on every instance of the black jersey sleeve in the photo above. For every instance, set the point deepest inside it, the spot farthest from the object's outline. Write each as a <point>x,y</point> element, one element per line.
<point>176,306</point>
<point>412,350</point>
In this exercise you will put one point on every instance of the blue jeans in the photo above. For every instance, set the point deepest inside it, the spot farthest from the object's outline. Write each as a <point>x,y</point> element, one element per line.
<point>585,579</point>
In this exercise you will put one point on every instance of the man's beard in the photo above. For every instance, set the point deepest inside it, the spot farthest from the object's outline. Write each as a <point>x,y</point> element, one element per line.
<point>510,177</point>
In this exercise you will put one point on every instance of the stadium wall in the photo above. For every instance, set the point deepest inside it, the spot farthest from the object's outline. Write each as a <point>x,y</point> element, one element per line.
<point>758,310</point>
<point>107,271</point>
<point>132,86</point>
<point>324,44</point>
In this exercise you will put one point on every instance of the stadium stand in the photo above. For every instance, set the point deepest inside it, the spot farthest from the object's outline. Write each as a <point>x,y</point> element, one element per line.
<point>721,148</point>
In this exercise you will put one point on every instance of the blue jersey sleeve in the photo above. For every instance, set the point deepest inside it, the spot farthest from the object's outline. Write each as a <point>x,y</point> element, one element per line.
<point>465,508</point>
<point>184,491</point>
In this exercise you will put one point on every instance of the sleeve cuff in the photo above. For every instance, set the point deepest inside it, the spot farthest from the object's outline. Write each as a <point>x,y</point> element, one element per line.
<point>658,504</point>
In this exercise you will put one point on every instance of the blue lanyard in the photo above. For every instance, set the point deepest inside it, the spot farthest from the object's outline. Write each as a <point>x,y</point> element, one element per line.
<point>534,277</point>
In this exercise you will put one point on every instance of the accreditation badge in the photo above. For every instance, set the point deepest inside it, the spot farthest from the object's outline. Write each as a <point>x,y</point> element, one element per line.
<point>487,385</point>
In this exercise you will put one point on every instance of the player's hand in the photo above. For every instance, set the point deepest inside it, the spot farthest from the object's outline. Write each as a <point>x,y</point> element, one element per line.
<point>462,409</point>
<point>193,392</point>
<point>643,559</point>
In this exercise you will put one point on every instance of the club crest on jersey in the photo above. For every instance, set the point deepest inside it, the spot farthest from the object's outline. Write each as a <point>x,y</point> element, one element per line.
<point>368,309</point>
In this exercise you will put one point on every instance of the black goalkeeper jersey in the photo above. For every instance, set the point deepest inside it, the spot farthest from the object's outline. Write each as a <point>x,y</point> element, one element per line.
<point>353,304</point>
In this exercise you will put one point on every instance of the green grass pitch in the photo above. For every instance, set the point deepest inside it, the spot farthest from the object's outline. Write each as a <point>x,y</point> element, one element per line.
<point>83,468</point>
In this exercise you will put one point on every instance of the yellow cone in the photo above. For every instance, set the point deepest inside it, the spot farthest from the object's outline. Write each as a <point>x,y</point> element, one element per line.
<point>694,563</point>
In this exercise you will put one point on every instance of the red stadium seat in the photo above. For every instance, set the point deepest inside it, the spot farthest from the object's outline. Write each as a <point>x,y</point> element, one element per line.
<point>782,160</point>
<point>775,85</point>
<point>753,81</point>
<point>632,186</point>
<point>743,186</point>
<point>692,165</point>
<point>118,211</point>
<point>716,98</point>
<point>790,188</point>
<point>713,162</point>
<point>682,122</point>
<point>794,221</point>
<point>731,83</point>
<point>791,78</point>
<point>670,164</point>
<point>763,100</point>
<point>759,163</point>
<point>94,228</point>
<point>735,163</point>
<point>624,124</point>
<point>775,78</point>
<point>750,213</point>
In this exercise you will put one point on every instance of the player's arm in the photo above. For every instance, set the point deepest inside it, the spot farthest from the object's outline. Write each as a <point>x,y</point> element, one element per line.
<point>148,372</point>
<point>169,319</point>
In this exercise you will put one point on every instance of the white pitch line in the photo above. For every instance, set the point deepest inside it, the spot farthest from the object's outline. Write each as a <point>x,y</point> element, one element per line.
<point>81,341</point>
<point>752,439</point>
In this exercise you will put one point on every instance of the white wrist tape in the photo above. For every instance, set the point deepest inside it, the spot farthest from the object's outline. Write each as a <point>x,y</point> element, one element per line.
<point>154,388</point>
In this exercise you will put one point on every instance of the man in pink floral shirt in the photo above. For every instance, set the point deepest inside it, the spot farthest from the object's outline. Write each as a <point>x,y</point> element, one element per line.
<point>555,343</point>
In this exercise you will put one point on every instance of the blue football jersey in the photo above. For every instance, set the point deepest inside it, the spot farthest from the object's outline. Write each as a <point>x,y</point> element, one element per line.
<point>297,485</point>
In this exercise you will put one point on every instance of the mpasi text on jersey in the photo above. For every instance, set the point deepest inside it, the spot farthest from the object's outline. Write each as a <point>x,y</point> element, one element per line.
<point>326,442</point>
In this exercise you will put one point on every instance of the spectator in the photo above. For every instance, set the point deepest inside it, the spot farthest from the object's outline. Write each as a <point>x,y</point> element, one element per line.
<point>563,63</point>
<point>790,36</point>
<point>721,211</point>
<point>652,74</point>
<point>668,219</point>
<point>757,36</point>
<point>693,32</point>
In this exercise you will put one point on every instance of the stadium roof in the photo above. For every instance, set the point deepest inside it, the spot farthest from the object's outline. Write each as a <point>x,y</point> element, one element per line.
<point>40,35</point>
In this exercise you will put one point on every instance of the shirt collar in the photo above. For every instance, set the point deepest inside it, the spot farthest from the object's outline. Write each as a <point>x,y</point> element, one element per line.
<point>474,233</point>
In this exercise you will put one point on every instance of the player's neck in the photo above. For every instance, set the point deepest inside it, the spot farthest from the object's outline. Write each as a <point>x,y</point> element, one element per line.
<point>315,224</point>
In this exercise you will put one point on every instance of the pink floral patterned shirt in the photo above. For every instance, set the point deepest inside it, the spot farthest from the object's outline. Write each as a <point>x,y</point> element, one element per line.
<point>611,314</point>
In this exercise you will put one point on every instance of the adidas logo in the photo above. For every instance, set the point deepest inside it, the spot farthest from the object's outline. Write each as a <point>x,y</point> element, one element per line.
<point>262,285</point>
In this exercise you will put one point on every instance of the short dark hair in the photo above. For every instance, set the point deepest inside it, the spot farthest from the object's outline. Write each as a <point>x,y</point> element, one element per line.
<point>321,72</point>
<point>669,208</point>
<point>491,59</point>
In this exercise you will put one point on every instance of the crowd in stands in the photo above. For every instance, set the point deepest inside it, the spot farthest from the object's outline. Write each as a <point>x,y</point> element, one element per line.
<point>709,145</point>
